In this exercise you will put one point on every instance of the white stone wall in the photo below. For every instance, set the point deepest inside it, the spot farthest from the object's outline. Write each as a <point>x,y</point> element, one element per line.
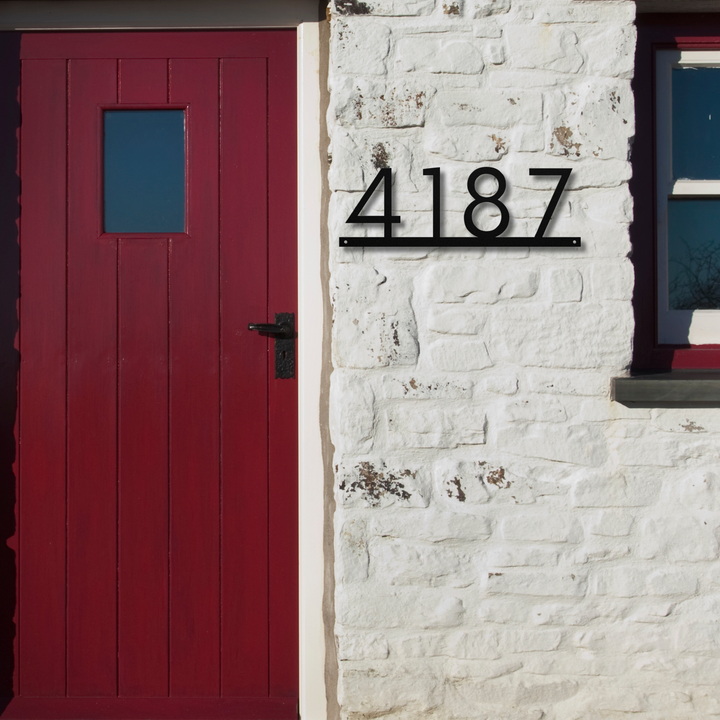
<point>510,543</point>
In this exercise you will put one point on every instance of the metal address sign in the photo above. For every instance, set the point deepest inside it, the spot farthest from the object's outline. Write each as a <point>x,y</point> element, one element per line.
<point>480,238</point>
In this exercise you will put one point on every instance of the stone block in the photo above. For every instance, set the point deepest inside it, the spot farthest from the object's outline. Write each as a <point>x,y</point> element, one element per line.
<point>606,489</point>
<point>366,102</point>
<point>352,412</point>
<point>677,539</point>
<point>459,355</point>
<point>543,46</point>
<point>488,107</point>
<point>544,527</point>
<point>374,483</point>
<point>359,47</point>
<point>438,56</point>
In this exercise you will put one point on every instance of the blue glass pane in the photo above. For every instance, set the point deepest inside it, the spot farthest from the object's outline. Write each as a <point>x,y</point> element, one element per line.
<point>694,254</point>
<point>144,171</point>
<point>696,123</point>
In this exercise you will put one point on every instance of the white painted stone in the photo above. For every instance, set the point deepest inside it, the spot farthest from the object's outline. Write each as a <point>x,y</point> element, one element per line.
<point>454,321</point>
<point>353,419</point>
<point>674,539</point>
<point>566,285</point>
<point>522,556</point>
<point>452,356</point>
<point>354,560</point>
<point>399,562</point>
<point>461,483</point>
<point>415,427</point>
<point>490,108</point>
<point>495,53</point>
<point>485,8</point>
<point>544,527</point>
<point>592,120</point>
<point>369,646</point>
<point>607,489</point>
<point>563,335</point>
<point>577,444</point>
<point>400,8</point>
<point>372,483</point>
<point>360,47</point>
<point>506,384</point>
<point>608,523</point>
<point>468,144</point>
<point>537,583</point>
<point>366,102</point>
<point>433,526</point>
<point>420,387</point>
<point>509,543</point>
<point>424,54</point>
<point>364,312</point>
<point>566,382</point>
<point>481,283</point>
<point>543,46</point>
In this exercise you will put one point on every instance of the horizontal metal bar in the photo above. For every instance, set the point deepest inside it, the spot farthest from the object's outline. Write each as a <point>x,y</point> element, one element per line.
<point>496,242</point>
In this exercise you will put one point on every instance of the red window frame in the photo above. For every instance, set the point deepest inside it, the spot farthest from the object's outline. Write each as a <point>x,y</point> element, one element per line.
<point>694,31</point>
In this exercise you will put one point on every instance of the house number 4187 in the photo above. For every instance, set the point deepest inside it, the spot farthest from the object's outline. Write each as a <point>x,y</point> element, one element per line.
<point>480,238</point>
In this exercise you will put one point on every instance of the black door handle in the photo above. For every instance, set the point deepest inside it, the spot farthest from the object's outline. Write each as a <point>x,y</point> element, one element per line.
<point>281,330</point>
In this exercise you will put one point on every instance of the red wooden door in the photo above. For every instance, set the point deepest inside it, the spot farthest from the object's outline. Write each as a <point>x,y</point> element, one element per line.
<point>156,554</point>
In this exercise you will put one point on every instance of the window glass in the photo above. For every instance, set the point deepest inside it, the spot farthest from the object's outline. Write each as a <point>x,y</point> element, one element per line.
<point>694,254</point>
<point>696,123</point>
<point>144,171</point>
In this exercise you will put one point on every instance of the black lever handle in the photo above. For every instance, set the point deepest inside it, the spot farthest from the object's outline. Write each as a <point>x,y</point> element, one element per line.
<point>281,330</point>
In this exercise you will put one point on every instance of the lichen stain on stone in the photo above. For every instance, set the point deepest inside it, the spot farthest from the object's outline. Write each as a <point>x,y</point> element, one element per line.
<point>563,135</point>
<point>352,7</point>
<point>499,143</point>
<point>512,101</point>
<point>396,337</point>
<point>374,484</point>
<point>451,8</point>
<point>380,157</point>
<point>692,427</point>
<point>358,105</point>
<point>458,493</point>
<point>614,101</point>
<point>496,477</point>
<point>413,384</point>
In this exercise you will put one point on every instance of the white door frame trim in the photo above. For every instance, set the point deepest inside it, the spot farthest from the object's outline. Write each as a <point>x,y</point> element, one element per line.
<point>311,503</point>
<point>103,15</point>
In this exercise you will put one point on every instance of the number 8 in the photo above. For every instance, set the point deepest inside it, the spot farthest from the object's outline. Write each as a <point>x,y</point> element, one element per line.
<point>492,199</point>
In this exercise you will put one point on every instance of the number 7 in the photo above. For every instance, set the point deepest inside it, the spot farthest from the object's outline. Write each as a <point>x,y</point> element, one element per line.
<point>563,174</point>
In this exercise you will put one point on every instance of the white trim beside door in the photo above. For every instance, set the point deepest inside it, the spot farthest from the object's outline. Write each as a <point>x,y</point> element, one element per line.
<point>310,341</point>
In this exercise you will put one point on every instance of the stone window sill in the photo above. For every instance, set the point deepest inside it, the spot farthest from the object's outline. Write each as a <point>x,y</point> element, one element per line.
<point>675,389</point>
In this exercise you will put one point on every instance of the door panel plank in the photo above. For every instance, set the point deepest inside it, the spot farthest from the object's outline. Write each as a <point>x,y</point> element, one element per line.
<point>143,470</point>
<point>194,398</point>
<point>157,44</point>
<point>143,81</point>
<point>42,382</point>
<point>157,708</point>
<point>243,263</point>
<point>92,396</point>
<point>143,436</point>
<point>282,262</point>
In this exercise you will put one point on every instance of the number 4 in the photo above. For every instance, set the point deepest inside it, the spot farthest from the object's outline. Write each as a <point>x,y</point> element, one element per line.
<point>387,219</point>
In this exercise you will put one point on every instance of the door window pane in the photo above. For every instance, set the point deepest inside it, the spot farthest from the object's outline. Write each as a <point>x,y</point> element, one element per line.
<point>144,171</point>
